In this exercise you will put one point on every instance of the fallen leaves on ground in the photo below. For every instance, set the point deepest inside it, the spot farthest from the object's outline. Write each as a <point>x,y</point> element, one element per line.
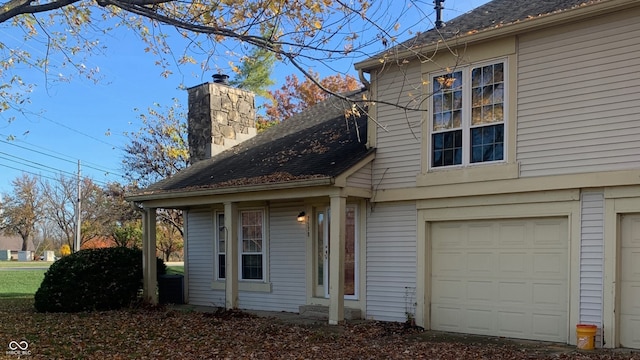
<point>162,333</point>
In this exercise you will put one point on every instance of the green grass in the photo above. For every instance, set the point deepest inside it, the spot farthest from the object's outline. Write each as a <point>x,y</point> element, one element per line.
<point>20,283</point>
<point>18,264</point>
<point>175,270</point>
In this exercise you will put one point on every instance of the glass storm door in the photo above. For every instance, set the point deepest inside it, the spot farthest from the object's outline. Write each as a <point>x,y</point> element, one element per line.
<point>322,249</point>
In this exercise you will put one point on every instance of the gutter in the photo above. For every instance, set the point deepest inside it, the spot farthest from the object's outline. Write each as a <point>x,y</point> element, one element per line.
<point>182,194</point>
<point>583,11</point>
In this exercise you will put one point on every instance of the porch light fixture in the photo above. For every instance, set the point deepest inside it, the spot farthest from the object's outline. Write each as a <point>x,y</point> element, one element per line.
<point>302,217</point>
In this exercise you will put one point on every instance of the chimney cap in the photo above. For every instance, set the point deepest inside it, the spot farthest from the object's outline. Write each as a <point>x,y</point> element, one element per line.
<point>221,79</point>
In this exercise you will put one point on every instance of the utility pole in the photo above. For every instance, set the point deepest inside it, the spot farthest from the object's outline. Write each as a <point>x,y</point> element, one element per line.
<point>76,243</point>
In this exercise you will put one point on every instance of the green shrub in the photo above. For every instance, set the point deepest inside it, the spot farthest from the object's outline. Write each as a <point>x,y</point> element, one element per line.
<point>93,279</point>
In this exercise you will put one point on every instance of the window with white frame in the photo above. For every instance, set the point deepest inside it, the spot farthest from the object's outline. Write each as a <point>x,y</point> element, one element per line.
<point>220,245</point>
<point>468,116</point>
<point>252,241</point>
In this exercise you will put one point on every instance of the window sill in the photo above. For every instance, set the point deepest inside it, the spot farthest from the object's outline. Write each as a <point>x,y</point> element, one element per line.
<point>468,174</point>
<point>244,286</point>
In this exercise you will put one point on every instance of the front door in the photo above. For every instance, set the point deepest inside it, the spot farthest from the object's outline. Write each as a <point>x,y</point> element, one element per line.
<point>322,250</point>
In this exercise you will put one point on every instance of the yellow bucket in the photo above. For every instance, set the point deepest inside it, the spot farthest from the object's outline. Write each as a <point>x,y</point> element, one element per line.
<point>586,336</point>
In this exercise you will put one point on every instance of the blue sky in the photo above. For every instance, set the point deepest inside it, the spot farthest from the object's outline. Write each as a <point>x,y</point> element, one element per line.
<point>67,122</point>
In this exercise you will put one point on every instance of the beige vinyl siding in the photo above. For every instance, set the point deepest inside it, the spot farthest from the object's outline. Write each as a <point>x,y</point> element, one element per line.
<point>578,94</point>
<point>361,178</point>
<point>398,147</point>
<point>391,261</point>
<point>200,262</point>
<point>287,245</point>
<point>592,259</point>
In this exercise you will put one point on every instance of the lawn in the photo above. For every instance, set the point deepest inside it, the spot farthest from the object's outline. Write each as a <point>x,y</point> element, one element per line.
<point>20,283</point>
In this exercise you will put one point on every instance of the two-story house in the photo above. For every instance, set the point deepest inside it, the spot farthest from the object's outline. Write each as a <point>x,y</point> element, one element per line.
<point>500,195</point>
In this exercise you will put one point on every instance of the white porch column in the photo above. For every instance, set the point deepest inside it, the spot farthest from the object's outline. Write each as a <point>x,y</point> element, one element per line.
<point>336,259</point>
<point>149,272</point>
<point>231,257</point>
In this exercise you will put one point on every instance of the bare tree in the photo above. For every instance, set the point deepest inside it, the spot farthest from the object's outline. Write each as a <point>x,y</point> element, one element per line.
<point>21,209</point>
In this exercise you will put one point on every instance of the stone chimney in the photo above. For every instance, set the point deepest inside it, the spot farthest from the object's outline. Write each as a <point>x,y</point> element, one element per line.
<point>220,116</point>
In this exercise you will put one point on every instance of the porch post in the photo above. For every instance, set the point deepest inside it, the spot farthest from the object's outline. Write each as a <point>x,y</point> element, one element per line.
<point>149,272</point>
<point>231,257</point>
<point>336,259</point>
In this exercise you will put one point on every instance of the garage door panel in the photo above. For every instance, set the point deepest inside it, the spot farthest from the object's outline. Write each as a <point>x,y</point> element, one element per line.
<point>480,319</point>
<point>448,290</point>
<point>515,286</point>
<point>481,263</point>
<point>549,233</point>
<point>548,325</point>
<point>512,235</point>
<point>549,264</point>
<point>514,292</point>
<point>630,281</point>
<point>481,291</point>
<point>513,264</point>
<point>510,323</point>
<point>448,318</point>
<point>550,294</point>
<point>450,263</point>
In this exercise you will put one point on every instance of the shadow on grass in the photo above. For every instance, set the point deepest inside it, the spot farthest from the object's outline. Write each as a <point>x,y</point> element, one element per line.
<point>16,295</point>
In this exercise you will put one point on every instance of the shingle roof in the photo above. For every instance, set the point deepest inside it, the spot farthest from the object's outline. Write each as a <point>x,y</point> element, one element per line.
<point>493,14</point>
<point>318,143</point>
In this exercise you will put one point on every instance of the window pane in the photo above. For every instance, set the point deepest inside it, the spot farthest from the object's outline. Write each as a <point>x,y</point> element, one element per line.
<point>498,72</point>
<point>320,249</point>
<point>222,233</point>
<point>251,231</point>
<point>252,267</point>
<point>447,148</point>
<point>447,96</point>
<point>221,266</point>
<point>487,143</point>
<point>350,252</point>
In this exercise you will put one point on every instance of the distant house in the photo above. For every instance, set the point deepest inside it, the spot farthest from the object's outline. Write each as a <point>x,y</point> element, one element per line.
<point>508,206</point>
<point>14,244</point>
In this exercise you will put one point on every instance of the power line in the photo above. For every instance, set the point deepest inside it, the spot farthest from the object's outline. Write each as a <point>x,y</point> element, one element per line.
<point>96,167</point>
<point>42,166</point>
<point>28,172</point>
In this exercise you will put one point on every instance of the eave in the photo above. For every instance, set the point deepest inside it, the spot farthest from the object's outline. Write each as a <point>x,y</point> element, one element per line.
<point>499,31</point>
<point>207,192</point>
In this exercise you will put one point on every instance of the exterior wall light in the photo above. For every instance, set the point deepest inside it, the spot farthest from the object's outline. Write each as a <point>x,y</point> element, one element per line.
<point>302,217</point>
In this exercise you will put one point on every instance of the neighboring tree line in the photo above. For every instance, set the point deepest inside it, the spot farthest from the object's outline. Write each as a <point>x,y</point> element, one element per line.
<point>43,211</point>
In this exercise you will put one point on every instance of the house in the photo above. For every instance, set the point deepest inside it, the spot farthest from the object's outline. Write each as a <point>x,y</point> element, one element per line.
<point>506,203</point>
<point>10,246</point>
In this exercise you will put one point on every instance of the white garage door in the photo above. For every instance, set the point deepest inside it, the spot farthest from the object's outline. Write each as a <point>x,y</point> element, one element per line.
<point>630,282</point>
<point>501,277</point>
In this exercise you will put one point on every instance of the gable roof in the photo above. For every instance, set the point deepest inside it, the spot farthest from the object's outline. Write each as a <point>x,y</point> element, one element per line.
<point>492,15</point>
<point>318,143</point>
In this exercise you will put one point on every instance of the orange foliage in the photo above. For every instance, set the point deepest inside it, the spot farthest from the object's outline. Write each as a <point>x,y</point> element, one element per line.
<point>98,242</point>
<point>295,96</point>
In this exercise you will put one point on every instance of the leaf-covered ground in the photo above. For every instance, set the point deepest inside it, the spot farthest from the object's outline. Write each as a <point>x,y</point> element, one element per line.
<point>176,334</point>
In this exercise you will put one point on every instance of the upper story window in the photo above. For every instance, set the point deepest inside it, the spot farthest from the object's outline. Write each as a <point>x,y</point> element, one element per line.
<point>468,116</point>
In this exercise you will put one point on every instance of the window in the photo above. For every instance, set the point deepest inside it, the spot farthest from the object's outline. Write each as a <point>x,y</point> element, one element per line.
<point>220,244</point>
<point>252,239</point>
<point>468,116</point>
<point>251,245</point>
